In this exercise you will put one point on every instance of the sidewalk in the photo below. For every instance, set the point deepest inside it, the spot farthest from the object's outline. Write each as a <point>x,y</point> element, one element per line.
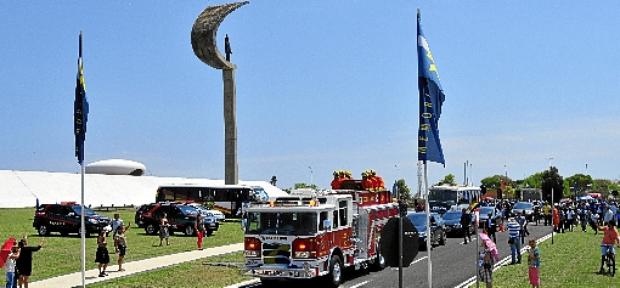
<point>133,267</point>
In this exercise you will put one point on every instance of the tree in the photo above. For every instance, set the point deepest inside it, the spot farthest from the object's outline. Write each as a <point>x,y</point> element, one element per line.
<point>533,181</point>
<point>495,181</point>
<point>304,185</point>
<point>551,179</point>
<point>403,189</point>
<point>577,183</point>
<point>448,180</point>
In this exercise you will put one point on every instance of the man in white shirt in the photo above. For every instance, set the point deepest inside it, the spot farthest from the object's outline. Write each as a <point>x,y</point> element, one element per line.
<point>117,222</point>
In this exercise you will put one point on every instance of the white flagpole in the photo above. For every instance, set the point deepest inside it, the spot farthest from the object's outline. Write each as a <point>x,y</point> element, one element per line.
<point>428,228</point>
<point>83,229</point>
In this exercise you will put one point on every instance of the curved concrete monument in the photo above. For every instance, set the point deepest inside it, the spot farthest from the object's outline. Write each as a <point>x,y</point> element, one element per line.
<point>204,33</point>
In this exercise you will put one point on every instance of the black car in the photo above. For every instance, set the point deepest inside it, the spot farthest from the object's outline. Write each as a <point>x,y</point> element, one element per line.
<point>452,222</point>
<point>181,217</point>
<point>141,210</point>
<point>65,218</point>
<point>438,233</point>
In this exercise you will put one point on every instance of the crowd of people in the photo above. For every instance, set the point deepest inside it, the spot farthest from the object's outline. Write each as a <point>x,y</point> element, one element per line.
<point>565,217</point>
<point>370,180</point>
<point>18,265</point>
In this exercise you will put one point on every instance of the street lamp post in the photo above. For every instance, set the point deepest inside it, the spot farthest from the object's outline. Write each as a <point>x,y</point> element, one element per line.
<point>311,175</point>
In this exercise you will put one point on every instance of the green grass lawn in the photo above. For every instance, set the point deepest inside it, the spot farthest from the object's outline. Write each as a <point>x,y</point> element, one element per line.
<point>199,273</point>
<point>572,261</point>
<point>61,255</point>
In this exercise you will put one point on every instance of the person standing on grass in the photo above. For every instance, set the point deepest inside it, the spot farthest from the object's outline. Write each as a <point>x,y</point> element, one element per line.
<point>200,229</point>
<point>120,245</point>
<point>533,261</point>
<point>610,238</point>
<point>9,266</point>
<point>485,265</point>
<point>513,240</point>
<point>164,232</point>
<point>102,256</point>
<point>117,222</point>
<point>24,262</point>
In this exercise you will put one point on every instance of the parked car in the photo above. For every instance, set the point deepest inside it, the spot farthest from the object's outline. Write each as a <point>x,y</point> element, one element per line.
<point>141,210</point>
<point>452,223</point>
<point>181,217</point>
<point>437,233</point>
<point>65,218</point>
<point>218,215</point>
<point>525,208</point>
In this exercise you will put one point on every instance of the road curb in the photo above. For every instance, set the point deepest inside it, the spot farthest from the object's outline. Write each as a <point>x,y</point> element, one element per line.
<point>502,262</point>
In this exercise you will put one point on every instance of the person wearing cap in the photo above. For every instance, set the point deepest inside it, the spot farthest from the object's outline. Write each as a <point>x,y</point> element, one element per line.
<point>348,175</point>
<point>336,182</point>
<point>380,184</point>
<point>366,182</point>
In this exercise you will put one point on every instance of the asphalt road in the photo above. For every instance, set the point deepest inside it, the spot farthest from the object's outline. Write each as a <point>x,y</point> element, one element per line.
<point>452,264</point>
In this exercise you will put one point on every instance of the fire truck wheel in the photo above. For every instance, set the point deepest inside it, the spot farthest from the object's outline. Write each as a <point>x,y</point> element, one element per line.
<point>378,263</point>
<point>335,271</point>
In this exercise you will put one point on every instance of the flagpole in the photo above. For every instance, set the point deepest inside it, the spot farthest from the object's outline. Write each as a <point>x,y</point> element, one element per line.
<point>82,224</point>
<point>428,228</point>
<point>83,233</point>
<point>400,242</point>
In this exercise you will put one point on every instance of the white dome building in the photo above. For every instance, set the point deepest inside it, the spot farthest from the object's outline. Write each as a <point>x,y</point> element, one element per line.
<point>116,167</point>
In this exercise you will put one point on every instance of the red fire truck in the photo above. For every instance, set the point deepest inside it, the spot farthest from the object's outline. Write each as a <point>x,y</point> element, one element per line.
<point>316,233</point>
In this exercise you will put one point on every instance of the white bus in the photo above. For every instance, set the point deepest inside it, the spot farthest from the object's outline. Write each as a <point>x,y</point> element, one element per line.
<point>449,196</point>
<point>229,199</point>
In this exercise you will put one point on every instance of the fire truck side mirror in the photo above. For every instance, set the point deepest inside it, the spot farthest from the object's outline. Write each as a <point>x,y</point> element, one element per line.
<point>327,225</point>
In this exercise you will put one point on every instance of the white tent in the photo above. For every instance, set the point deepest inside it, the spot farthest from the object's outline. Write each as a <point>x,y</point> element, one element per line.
<point>23,188</point>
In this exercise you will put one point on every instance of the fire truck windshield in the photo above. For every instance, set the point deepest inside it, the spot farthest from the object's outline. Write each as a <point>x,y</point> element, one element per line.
<point>281,223</point>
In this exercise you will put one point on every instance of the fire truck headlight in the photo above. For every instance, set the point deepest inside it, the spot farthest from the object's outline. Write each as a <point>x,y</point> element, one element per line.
<point>302,254</point>
<point>250,253</point>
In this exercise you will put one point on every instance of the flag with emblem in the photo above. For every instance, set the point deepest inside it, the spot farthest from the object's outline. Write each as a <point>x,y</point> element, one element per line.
<point>80,110</point>
<point>431,100</point>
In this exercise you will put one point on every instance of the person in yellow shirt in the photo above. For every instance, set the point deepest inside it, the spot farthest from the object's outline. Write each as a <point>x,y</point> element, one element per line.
<point>547,213</point>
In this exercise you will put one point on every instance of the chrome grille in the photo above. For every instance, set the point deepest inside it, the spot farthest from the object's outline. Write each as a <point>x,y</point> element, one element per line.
<point>276,253</point>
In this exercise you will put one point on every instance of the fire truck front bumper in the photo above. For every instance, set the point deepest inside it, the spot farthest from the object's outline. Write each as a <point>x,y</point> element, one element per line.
<point>282,271</point>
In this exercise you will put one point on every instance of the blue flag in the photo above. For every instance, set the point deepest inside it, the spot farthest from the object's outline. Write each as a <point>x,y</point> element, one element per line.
<point>80,110</point>
<point>431,99</point>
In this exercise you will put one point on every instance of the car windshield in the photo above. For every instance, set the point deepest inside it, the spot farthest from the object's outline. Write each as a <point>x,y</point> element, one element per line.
<point>487,210</point>
<point>523,205</point>
<point>188,210</point>
<point>452,216</point>
<point>87,211</point>
<point>281,223</point>
<point>417,219</point>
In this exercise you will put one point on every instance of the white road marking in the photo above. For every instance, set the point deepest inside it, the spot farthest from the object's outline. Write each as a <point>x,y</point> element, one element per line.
<point>360,284</point>
<point>416,261</point>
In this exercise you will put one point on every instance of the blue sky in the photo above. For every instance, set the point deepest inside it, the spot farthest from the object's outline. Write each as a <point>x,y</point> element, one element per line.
<point>321,84</point>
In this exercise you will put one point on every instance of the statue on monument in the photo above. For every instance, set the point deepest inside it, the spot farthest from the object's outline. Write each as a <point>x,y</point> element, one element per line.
<point>227,49</point>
